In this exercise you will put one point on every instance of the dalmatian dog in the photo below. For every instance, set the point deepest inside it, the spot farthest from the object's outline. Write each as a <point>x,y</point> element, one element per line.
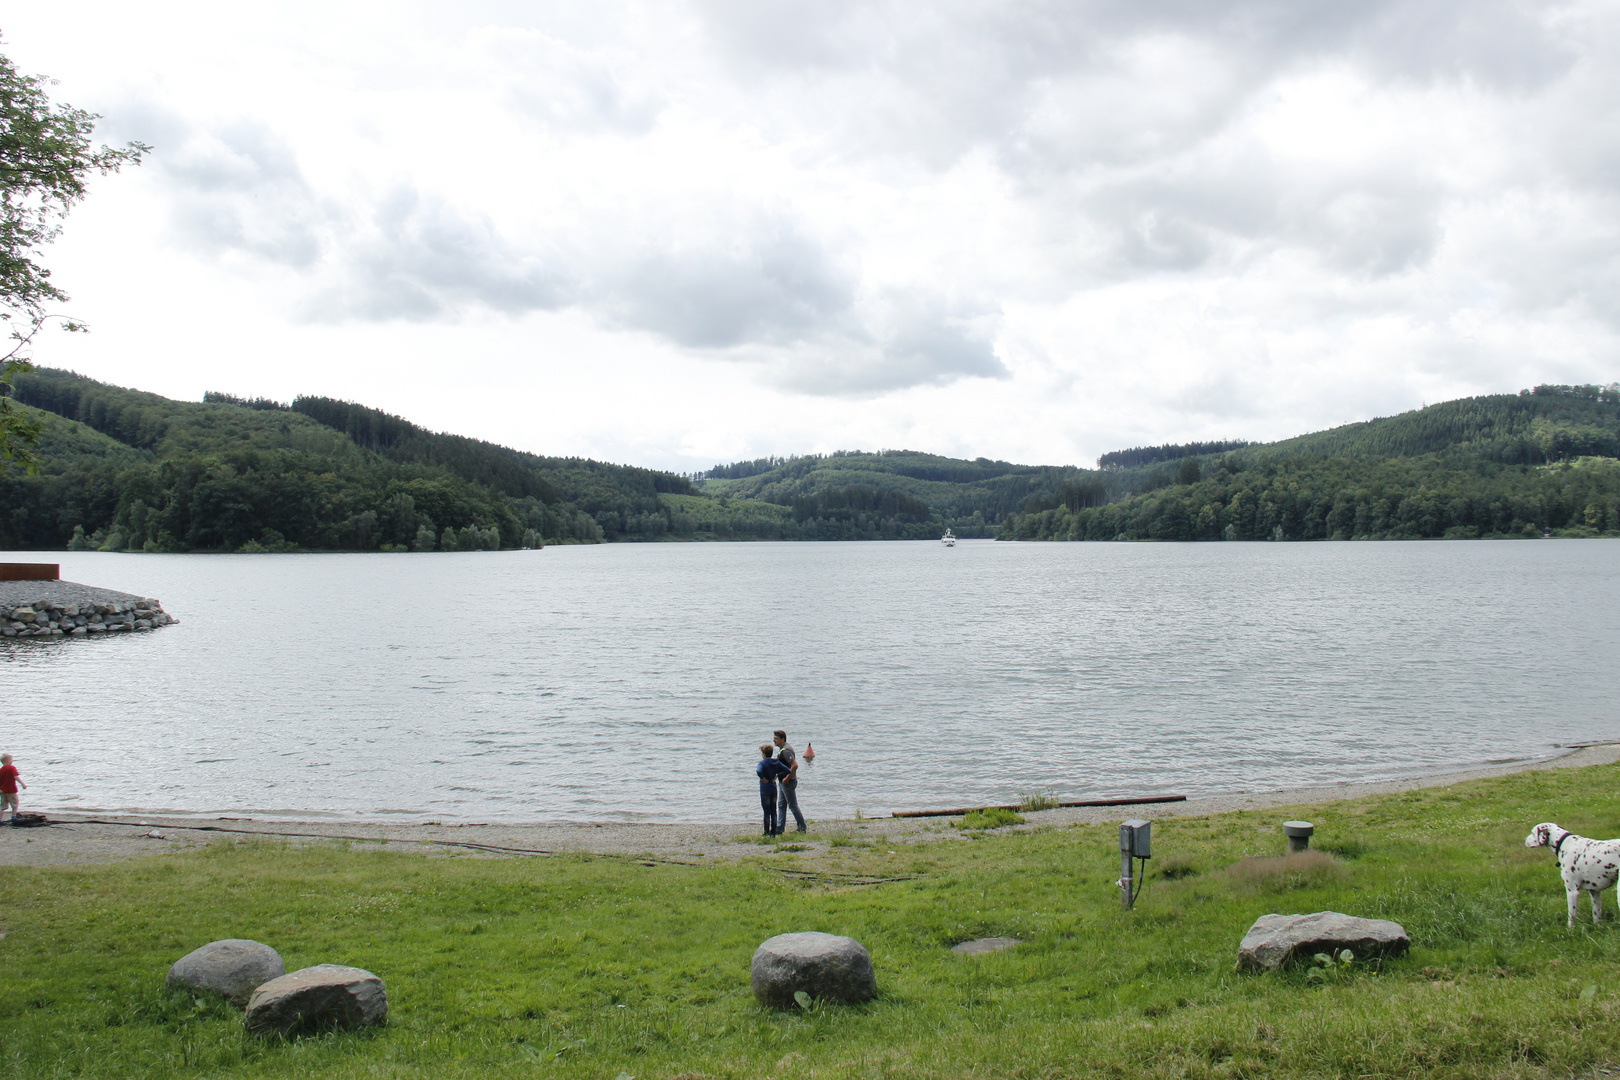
<point>1588,866</point>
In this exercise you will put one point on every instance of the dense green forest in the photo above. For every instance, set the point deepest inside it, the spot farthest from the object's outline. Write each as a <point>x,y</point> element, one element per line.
<point>890,494</point>
<point>1149,455</point>
<point>127,470</point>
<point>1505,465</point>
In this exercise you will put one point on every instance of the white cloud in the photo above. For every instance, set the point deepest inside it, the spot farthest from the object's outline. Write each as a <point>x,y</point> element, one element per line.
<point>1027,230</point>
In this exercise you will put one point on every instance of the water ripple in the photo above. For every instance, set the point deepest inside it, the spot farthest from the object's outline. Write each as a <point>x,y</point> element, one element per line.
<point>634,681</point>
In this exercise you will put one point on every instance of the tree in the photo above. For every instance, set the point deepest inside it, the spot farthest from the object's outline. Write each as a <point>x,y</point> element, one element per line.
<point>46,159</point>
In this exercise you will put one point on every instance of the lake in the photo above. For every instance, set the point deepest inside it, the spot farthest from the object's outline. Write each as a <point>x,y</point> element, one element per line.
<point>635,682</point>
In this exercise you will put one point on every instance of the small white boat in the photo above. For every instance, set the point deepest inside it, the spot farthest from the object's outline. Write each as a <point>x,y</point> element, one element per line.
<point>948,540</point>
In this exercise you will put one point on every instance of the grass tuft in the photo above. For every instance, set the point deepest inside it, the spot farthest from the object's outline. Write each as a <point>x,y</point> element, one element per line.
<point>1345,847</point>
<point>1175,868</point>
<point>1282,873</point>
<point>995,817</point>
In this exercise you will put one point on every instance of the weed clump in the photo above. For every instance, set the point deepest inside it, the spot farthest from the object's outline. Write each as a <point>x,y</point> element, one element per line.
<point>1031,801</point>
<point>1281,873</point>
<point>1175,868</point>
<point>1345,847</point>
<point>993,817</point>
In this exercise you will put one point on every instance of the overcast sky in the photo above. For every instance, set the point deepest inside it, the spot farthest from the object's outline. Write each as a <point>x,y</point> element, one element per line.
<point>673,234</point>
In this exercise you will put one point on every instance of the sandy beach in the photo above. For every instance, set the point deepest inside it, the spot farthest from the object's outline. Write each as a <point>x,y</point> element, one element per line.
<point>75,839</point>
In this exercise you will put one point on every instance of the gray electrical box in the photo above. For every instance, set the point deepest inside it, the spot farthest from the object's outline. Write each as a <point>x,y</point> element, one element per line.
<point>1135,838</point>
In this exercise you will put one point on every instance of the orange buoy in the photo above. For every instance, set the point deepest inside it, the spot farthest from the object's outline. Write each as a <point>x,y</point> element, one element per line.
<point>809,752</point>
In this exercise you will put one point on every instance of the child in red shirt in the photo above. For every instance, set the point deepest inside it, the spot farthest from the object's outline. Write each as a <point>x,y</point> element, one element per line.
<point>8,785</point>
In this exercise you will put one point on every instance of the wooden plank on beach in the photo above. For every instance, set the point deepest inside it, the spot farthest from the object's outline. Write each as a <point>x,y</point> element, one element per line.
<point>1132,801</point>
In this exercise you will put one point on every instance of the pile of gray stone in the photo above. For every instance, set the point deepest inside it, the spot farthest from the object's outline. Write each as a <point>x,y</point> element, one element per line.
<point>45,617</point>
<point>252,975</point>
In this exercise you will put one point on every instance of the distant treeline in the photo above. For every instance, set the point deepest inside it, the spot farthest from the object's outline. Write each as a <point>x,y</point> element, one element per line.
<point>214,397</point>
<point>233,474</point>
<point>958,494</point>
<point>127,470</point>
<point>739,469</point>
<point>1323,499</point>
<point>1532,427</point>
<point>1497,466</point>
<point>1138,456</point>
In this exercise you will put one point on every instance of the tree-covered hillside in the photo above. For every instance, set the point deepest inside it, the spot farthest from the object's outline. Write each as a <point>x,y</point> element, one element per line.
<point>127,470</point>
<point>892,494</point>
<point>1502,465</point>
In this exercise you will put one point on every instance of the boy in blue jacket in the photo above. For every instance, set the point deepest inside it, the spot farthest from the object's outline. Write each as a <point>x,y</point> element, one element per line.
<point>769,771</point>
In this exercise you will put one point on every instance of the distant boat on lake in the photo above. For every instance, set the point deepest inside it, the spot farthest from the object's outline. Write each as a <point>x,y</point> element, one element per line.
<point>948,540</point>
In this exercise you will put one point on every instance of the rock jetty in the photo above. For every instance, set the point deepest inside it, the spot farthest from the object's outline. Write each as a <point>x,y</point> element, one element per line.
<point>68,609</point>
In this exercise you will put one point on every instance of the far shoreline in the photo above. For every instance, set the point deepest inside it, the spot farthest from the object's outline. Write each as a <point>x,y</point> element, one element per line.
<point>85,838</point>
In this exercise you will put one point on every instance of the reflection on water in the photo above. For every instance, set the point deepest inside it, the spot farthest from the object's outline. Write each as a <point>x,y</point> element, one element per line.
<point>635,681</point>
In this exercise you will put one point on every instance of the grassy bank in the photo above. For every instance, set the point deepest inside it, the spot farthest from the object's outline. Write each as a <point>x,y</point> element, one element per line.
<point>599,967</point>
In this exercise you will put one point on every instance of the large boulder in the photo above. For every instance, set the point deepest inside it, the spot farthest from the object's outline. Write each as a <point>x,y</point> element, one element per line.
<point>232,968</point>
<point>318,999</point>
<point>1274,939</point>
<point>825,966</point>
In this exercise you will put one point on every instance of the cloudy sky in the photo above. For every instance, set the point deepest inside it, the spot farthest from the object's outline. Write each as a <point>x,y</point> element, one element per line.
<point>678,234</point>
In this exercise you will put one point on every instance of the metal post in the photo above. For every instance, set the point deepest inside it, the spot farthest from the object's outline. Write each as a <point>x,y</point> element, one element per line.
<point>1134,843</point>
<point>1124,875</point>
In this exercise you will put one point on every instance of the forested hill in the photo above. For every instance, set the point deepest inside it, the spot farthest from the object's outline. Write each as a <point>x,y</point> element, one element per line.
<point>128,470</point>
<point>1521,464</point>
<point>890,494</point>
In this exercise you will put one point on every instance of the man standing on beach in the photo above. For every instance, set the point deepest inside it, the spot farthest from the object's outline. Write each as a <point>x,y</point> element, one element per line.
<point>769,771</point>
<point>789,798</point>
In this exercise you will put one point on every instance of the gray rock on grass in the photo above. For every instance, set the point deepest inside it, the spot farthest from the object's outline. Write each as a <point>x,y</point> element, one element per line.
<point>232,968</point>
<point>1274,939</point>
<point>828,967</point>
<point>318,999</point>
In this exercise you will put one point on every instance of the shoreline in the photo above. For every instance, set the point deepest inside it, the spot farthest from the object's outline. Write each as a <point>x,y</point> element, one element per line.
<point>54,609</point>
<point>80,839</point>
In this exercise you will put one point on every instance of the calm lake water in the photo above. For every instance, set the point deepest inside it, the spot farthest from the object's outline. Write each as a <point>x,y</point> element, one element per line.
<point>635,681</point>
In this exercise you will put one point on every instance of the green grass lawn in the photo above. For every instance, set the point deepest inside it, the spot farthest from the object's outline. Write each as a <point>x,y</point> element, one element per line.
<point>610,968</point>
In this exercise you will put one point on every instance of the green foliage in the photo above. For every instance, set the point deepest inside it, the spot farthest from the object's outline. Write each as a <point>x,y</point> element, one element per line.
<point>45,160</point>
<point>1149,455</point>
<point>890,495</point>
<point>994,817</point>
<point>1174,868</point>
<point>1500,466</point>
<point>1326,967</point>
<point>1345,847</point>
<point>1031,801</point>
<point>144,472</point>
<point>326,474</point>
